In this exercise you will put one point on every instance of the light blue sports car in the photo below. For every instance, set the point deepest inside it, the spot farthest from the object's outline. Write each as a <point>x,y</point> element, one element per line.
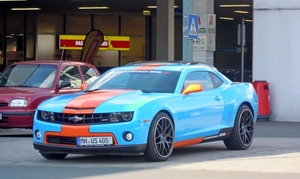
<point>148,108</point>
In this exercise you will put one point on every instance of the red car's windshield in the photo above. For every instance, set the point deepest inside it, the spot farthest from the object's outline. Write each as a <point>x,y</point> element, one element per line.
<point>39,76</point>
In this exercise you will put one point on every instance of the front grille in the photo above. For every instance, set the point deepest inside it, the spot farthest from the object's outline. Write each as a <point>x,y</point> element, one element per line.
<point>61,140</point>
<point>3,104</point>
<point>77,119</point>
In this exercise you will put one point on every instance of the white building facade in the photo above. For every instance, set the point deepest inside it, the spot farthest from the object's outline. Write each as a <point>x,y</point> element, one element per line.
<point>276,55</point>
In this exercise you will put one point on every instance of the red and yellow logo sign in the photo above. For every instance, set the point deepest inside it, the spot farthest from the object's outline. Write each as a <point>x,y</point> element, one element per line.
<point>75,42</point>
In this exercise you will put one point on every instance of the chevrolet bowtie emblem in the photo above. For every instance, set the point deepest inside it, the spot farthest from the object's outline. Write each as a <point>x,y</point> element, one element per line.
<point>75,119</point>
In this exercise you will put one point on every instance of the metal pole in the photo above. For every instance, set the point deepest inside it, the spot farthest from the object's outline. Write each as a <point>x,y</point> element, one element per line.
<point>243,34</point>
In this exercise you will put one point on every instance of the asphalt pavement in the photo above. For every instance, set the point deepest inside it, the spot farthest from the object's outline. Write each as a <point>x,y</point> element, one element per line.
<point>275,150</point>
<point>262,129</point>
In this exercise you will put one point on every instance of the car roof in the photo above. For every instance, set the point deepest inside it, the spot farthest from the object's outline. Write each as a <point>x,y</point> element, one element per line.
<point>51,62</point>
<point>166,65</point>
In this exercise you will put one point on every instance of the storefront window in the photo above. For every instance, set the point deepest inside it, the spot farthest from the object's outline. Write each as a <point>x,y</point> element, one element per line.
<point>106,58</point>
<point>14,48</point>
<point>1,52</point>
<point>133,25</point>
<point>47,48</point>
<point>30,23</point>
<point>50,23</point>
<point>109,25</point>
<point>29,47</point>
<point>137,51</point>
<point>1,24</point>
<point>78,24</point>
<point>15,23</point>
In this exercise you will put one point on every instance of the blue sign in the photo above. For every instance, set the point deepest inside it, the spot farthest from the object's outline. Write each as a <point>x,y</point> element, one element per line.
<point>227,50</point>
<point>193,26</point>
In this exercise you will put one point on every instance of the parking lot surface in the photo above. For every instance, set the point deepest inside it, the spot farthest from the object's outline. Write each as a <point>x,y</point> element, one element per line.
<point>275,149</point>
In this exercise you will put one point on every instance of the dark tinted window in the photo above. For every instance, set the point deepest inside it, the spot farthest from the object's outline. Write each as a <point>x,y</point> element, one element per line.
<point>201,77</point>
<point>217,81</point>
<point>148,81</point>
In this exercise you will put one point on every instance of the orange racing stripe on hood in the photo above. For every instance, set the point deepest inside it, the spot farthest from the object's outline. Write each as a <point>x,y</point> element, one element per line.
<point>147,67</point>
<point>86,103</point>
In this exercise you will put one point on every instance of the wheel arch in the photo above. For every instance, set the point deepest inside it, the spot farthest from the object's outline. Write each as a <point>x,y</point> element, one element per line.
<point>170,114</point>
<point>251,108</point>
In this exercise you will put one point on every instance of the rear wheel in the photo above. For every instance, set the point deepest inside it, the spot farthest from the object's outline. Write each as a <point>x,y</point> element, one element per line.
<point>242,134</point>
<point>54,156</point>
<point>160,138</point>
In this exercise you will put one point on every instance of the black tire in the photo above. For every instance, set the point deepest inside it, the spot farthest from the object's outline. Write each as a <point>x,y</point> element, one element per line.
<point>242,134</point>
<point>160,139</point>
<point>54,156</point>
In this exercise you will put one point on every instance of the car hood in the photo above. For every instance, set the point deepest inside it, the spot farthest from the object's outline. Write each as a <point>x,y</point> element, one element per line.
<point>7,93</point>
<point>101,101</point>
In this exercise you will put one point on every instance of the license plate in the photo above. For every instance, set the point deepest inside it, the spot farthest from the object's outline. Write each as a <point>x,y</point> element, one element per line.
<point>94,141</point>
<point>0,116</point>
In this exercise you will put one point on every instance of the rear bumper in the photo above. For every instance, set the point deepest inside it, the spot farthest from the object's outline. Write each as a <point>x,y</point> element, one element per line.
<point>16,119</point>
<point>130,149</point>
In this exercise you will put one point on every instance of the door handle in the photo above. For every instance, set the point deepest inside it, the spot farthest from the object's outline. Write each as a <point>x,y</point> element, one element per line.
<point>217,98</point>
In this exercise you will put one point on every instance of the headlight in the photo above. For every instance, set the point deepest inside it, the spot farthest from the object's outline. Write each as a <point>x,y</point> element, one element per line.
<point>18,103</point>
<point>45,115</point>
<point>120,116</point>
<point>113,117</point>
<point>127,116</point>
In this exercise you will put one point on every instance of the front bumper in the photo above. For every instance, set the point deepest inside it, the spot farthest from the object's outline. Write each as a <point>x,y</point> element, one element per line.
<point>128,149</point>
<point>16,119</point>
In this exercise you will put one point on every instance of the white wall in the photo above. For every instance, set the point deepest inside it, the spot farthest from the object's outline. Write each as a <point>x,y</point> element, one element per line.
<point>276,54</point>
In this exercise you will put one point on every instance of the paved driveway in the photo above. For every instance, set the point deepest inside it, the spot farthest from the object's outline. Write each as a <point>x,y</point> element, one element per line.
<point>276,148</point>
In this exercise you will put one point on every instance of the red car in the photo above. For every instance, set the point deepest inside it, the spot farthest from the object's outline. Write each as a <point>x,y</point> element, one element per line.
<point>24,85</point>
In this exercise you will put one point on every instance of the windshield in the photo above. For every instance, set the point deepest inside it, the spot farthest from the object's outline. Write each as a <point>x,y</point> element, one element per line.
<point>40,76</point>
<point>147,81</point>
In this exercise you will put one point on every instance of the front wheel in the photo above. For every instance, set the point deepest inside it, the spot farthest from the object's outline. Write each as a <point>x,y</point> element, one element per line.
<point>54,156</point>
<point>242,134</point>
<point>160,138</point>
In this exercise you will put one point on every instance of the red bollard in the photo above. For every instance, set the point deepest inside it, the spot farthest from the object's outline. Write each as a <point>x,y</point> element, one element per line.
<point>263,93</point>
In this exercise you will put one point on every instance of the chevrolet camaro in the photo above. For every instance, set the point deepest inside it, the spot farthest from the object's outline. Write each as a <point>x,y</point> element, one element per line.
<point>148,108</point>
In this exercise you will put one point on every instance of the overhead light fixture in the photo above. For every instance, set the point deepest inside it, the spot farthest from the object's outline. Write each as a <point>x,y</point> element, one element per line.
<point>154,7</point>
<point>241,12</point>
<point>151,7</point>
<point>248,20</point>
<point>26,9</point>
<point>227,18</point>
<point>93,8</point>
<point>235,5</point>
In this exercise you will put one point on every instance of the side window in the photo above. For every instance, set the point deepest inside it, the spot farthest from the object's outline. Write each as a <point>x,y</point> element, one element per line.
<point>217,81</point>
<point>89,74</point>
<point>71,73</point>
<point>201,77</point>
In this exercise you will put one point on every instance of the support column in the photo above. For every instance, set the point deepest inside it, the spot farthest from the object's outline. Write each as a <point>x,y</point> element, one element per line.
<point>187,46</point>
<point>165,30</point>
<point>189,52</point>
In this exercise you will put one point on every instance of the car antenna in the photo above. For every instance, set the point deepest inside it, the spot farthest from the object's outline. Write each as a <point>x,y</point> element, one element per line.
<point>62,54</point>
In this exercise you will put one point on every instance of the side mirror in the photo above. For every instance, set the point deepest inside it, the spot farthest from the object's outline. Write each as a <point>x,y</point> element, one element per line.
<point>64,84</point>
<point>83,86</point>
<point>192,88</point>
